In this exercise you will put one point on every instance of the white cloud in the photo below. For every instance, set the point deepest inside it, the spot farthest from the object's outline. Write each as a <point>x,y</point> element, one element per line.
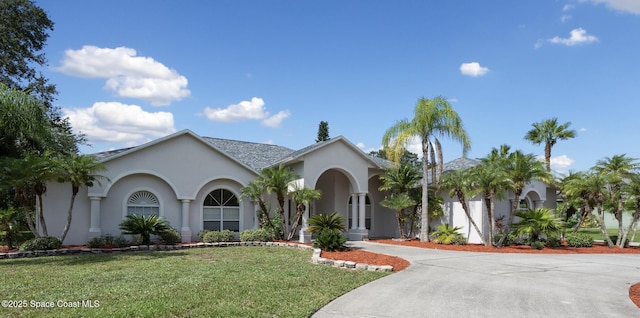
<point>275,120</point>
<point>360,145</point>
<point>538,44</point>
<point>628,6</point>
<point>473,69</point>
<point>578,36</point>
<point>452,100</point>
<point>561,162</point>
<point>415,145</point>
<point>246,110</point>
<point>116,122</point>
<point>127,75</point>
<point>565,18</point>
<point>568,7</point>
<point>582,129</point>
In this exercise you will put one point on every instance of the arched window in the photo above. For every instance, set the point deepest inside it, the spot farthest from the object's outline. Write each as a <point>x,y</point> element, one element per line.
<point>367,213</point>
<point>143,203</point>
<point>221,211</point>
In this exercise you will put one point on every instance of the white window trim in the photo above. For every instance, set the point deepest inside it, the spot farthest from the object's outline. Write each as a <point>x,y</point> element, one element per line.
<point>125,202</point>
<point>240,206</point>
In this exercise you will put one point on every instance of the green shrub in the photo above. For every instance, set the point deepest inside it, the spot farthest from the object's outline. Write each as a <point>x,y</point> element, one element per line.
<point>171,236</point>
<point>258,235</point>
<point>120,241</point>
<point>537,245</point>
<point>218,236</point>
<point>446,234</point>
<point>201,235</point>
<point>95,242</point>
<point>553,240</point>
<point>579,240</point>
<point>460,240</point>
<point>511,239</point>
<point>330,240</point>
<point>108,239</point>
<point>41,243</point>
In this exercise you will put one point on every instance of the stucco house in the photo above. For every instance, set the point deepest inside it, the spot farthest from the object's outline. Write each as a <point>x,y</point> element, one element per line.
<point>194,182</point>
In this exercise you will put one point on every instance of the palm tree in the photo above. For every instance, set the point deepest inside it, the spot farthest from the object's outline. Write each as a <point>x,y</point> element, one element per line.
<point>432,117</point>
<point>618,169</point>
<point>490,181</point>
<point>144,226</point>
<point>632,189</point>
<point>302,197</point>
<point>276,180</point>
<point>79,171</point>
<point>398,202</point>
<point>592,187</point>
<point>400,178</point>
<point>459,183</point>
<point>522,169</point>
<point>549,132</point>
<point>254,192</point>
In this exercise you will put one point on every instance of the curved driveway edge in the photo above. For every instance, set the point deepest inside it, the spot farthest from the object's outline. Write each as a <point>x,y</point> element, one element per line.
<point>466,284</point>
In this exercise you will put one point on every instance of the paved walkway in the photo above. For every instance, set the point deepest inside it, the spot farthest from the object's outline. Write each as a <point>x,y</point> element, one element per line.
<point>466,284</point>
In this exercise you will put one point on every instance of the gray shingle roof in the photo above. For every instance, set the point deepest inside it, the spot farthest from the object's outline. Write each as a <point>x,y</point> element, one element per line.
<point>255,155</point>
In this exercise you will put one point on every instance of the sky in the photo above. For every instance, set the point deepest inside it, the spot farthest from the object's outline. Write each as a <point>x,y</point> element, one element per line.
<point>129,72</point>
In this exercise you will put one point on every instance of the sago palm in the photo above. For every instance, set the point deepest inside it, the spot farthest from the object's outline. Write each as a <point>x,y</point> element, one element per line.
<point>320,222</point>
<point>432,118</point>
<point>533,222</point>
<point>144,226</point>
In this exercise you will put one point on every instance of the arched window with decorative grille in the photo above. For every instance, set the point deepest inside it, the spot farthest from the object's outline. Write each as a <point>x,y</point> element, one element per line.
<point>221,211</point>
<point>143,203</point>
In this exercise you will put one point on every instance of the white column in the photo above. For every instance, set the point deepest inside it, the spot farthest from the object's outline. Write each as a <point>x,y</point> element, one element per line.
<point>354,211</point>
<point>185,231</point>
<point>95,229</point>
<point>362,211</point>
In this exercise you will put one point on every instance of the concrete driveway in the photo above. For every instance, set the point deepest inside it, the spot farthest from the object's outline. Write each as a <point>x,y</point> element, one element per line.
<point>464,284</point>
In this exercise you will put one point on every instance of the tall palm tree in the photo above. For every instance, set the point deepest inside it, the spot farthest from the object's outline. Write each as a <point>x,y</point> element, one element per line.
<point>79,171</point>
<point>432,117</point>
<point>302,197</point>
<point>276,180</point>
<point>522,169</point>
<point>618,169</point>
<point>549,132</point>
<point>459,184</point>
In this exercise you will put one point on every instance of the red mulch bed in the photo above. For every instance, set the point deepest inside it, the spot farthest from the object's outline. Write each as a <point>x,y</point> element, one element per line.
<point>368,258</point>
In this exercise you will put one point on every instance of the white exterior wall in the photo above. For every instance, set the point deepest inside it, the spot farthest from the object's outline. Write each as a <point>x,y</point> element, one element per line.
<point>383,220</point>
<point>454,215</point>
<point>56,204</point>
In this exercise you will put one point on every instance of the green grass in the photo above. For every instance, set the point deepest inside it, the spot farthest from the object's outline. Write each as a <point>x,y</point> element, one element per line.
<point>204,282</point>
<point>596,233</point>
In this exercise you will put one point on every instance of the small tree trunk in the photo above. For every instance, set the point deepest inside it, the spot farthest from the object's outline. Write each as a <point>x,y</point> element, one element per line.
<point>514,207</point>
<point>487,204</point>
<point>41,215</point>
<point>603,226</point>
<point>30,224</point>
<point>462,201</point>
<point>424,221</point>
<point>294,225</point>
<point>400,224</point>
<point>69,213</point>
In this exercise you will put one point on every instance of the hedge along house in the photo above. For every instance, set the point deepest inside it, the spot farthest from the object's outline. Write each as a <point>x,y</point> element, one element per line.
<point>536,194</point>
<point>194,182</point>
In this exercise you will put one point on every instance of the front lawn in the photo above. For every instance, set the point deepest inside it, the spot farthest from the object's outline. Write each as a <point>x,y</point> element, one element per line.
<point>201,282</point>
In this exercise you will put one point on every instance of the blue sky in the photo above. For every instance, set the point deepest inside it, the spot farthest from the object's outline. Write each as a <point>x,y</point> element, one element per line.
<point>129,72</point>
